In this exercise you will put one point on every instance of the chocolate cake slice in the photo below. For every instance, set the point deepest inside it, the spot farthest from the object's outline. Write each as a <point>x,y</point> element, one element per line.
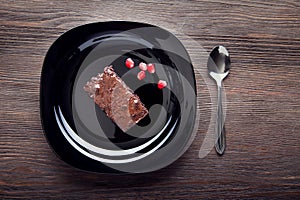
<point>116,99</point>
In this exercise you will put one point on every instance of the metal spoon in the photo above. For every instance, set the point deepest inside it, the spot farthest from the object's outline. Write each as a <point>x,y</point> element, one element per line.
<point>218,68</point>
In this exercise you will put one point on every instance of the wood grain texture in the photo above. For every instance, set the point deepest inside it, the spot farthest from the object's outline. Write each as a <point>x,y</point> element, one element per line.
<point>263,101</point>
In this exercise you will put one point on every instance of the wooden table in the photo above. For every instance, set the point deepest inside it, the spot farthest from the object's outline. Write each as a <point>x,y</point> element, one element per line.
<point>263,101</point>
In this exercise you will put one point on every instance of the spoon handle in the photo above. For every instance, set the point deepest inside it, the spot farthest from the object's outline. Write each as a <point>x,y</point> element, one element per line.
<point>220,127</point>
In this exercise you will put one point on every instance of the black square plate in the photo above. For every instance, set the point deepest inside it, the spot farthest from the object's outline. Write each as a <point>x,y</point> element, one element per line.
<point>80,132</point>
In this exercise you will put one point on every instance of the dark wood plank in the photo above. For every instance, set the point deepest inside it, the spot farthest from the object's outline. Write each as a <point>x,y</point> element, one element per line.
<point>263,100</point>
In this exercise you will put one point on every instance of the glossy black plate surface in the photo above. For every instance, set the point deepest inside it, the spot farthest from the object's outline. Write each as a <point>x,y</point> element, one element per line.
<point>80,132</point>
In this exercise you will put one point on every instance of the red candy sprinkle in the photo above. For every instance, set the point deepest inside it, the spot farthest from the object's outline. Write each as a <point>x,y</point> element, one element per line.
<point>161,84</point>
<point>141,75</point>
<point>143,66</point>
<point>151,68</point>
<point>129,63</point>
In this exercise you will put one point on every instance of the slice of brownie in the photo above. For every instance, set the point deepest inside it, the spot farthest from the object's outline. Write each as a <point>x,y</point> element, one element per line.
<point>116,99</point>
